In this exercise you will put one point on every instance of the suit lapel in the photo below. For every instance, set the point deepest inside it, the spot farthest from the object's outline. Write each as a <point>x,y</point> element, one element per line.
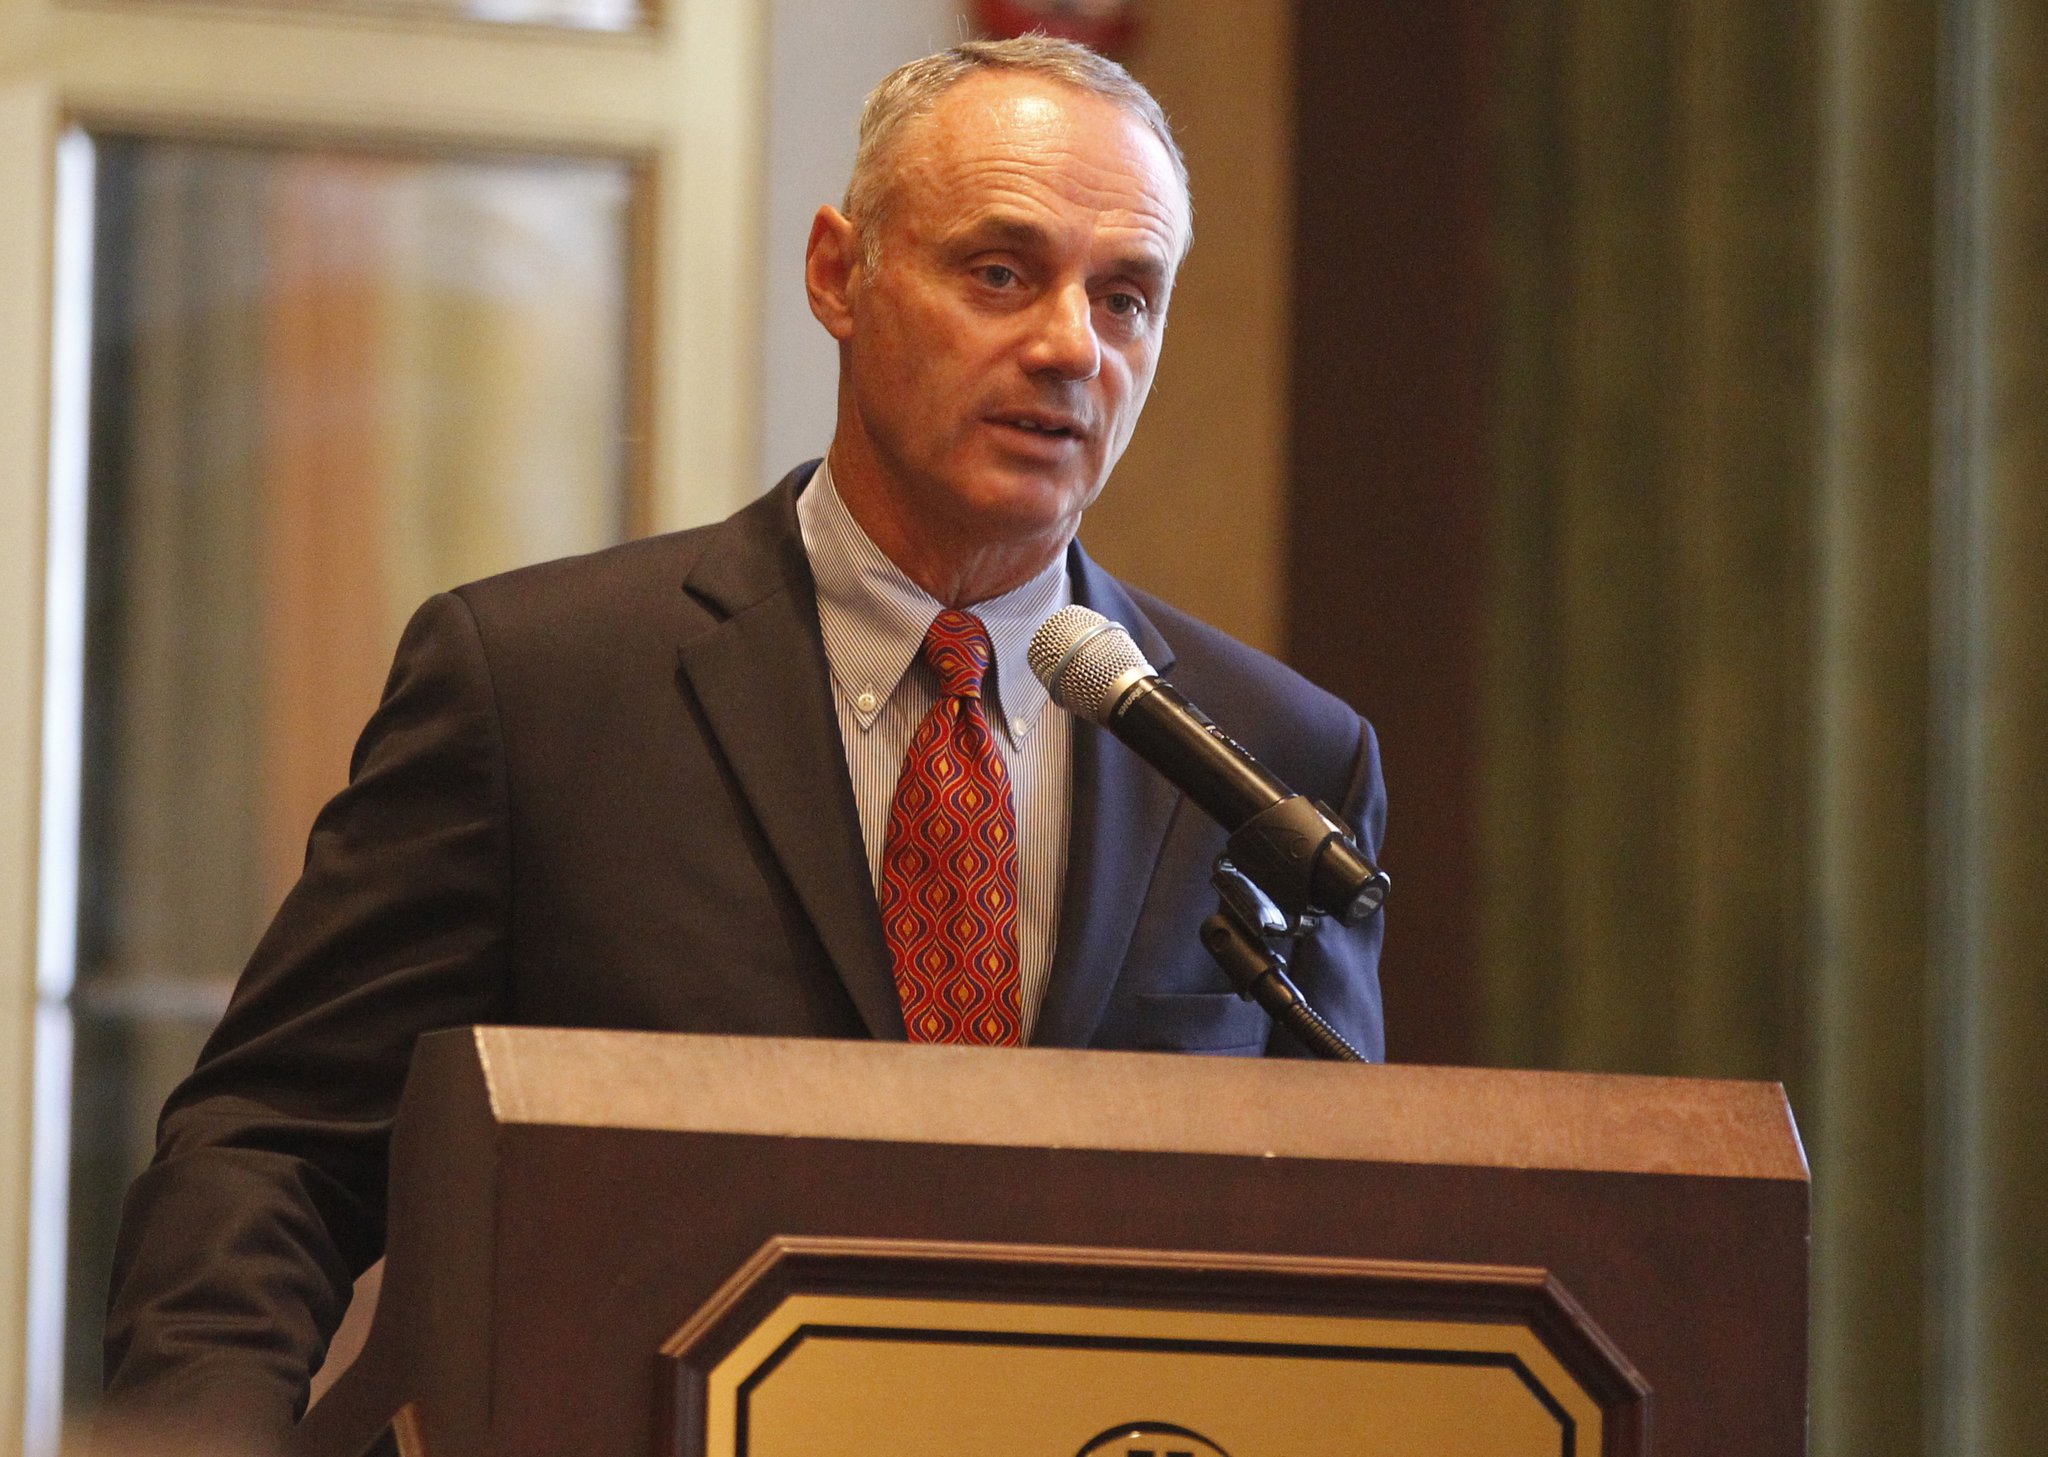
<point>757,669</point>
<point>1120,809</point>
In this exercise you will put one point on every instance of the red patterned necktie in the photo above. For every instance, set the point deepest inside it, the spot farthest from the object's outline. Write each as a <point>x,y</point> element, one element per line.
<point>949,865</point>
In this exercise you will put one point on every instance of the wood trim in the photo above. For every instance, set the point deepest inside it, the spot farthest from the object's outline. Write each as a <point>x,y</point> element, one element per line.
<point>370,139</point>
<point>27,140</point>
<point>1137,1102</point>
<point>423,15</point>
<point>644,435</point>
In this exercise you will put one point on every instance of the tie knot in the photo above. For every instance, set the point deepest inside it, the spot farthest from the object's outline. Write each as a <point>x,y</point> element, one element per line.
<point>957,647</point>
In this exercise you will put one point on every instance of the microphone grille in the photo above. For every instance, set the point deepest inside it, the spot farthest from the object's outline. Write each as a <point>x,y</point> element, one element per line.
<point>1086,662</point>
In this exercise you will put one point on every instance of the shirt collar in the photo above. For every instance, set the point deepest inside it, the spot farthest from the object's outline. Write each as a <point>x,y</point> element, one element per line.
<point>874,618</point>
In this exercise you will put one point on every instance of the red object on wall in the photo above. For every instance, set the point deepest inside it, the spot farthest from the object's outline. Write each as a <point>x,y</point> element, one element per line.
<point>1108,26</point>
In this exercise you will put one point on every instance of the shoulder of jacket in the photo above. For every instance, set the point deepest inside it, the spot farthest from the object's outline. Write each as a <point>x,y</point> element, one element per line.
<point>1207,654</point>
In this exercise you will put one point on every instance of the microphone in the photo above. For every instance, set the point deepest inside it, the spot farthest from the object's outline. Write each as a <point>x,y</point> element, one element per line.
<point>1296,851</point>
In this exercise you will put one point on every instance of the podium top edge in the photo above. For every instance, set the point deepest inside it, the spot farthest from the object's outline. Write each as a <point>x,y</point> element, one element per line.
<point>1132,1102</point>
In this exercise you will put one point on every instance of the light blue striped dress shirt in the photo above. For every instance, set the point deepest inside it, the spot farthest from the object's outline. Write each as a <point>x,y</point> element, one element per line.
<point>874,619</point>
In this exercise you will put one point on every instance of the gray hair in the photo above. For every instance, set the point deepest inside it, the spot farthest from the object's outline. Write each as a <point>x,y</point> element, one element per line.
<point>913,89</point>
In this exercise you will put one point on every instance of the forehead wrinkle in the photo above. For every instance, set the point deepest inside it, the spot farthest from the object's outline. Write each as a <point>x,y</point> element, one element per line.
<point>1018,207</point>
<point>1024,142</point>
<point>1052,166</point>
<point>1057,169</point>
<point>996,226</point>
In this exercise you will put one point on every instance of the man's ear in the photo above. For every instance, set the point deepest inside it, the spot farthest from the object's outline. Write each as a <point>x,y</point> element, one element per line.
<point>831,270</point>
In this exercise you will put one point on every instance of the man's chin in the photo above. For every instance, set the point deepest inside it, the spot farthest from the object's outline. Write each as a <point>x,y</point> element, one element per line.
<point>1019,487</point>
<point>1022,507</point>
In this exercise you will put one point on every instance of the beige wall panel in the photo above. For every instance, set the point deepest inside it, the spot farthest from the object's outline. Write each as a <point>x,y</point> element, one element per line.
<point>461,80</point>
<point>1196,510</point>
<point>707,285</point>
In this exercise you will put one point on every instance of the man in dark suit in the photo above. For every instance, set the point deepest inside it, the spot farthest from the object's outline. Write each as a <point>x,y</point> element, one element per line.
<point>686,783</point>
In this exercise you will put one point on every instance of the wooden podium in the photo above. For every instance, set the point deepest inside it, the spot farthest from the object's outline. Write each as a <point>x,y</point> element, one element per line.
<point>623,1243</point>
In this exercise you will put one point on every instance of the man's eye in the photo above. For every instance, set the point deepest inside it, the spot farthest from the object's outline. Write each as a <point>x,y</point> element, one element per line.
<point>996,275</point>
<point>1124,305</point>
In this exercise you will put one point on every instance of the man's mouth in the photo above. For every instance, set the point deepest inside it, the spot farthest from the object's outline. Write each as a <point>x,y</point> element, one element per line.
<point>1051,427</point>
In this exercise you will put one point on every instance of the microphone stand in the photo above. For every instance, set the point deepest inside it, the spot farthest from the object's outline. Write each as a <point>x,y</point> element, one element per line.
<point>1244,935</point>
<point>1277,900</point>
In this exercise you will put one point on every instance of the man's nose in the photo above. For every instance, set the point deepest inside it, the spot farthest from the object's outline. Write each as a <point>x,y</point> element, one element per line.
<point>1063,340</point>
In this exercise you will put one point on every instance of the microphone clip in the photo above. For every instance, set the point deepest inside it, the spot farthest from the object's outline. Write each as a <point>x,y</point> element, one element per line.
<point>1302,858</point>
<point>1246,935</point>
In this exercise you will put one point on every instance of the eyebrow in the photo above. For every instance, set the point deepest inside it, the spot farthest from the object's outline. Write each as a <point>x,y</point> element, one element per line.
<point>1000,231</point>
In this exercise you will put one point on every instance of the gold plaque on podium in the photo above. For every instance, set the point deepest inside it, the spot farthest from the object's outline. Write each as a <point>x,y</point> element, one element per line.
<point>1103,1354</point>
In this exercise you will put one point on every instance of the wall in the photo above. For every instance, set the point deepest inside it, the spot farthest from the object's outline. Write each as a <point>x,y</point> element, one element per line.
<point>823,57</point>
<point>1196,510</point>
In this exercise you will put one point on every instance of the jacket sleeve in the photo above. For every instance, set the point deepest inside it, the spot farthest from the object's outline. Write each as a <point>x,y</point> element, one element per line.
<point>239,1243</point>
<point>1338,968</point>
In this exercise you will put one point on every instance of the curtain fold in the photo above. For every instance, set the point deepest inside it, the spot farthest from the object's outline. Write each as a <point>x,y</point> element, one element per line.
<point>1990,1138</point>
<point>1767,782</point>
<point>1870,1049</point>
<point>1649,611</point>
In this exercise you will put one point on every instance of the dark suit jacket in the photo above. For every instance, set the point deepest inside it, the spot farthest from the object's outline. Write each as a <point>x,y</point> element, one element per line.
<point>610,792</point>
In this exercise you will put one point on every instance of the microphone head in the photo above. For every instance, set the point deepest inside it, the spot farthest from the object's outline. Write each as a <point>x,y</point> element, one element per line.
<point>1086,662</point>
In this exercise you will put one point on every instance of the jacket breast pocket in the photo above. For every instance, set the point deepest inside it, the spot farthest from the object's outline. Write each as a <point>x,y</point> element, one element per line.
<point>1219,1023</point>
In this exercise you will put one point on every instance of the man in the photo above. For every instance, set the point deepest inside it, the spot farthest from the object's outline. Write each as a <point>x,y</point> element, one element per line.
<point>703,782</point>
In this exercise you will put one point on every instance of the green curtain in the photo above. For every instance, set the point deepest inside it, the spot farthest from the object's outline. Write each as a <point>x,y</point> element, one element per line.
<point>1767,724</point>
